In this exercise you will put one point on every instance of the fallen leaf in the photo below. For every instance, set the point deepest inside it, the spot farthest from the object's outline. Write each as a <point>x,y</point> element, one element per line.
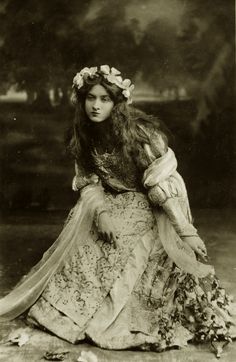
<point>19,337</point>
<point>55,356</point>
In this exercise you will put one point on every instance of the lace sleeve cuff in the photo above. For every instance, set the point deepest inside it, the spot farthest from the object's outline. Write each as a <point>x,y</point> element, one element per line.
<point>80,182</point>
<point>83,178</point>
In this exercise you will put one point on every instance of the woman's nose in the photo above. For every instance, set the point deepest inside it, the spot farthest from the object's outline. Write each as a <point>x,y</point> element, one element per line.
<point>96,104</point>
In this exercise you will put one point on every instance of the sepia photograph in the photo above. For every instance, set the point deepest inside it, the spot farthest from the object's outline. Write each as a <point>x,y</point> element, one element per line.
<point>117,181</point>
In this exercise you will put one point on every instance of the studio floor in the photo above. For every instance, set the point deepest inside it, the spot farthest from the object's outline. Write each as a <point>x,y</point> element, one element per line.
<point>23,239</point>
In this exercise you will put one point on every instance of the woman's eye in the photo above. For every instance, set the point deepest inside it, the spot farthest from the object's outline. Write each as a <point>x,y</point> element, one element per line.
<point>89,97</point>
<point>106,99</point>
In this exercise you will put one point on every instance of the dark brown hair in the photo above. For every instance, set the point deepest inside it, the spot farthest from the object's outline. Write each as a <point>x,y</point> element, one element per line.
<point>124,126</point>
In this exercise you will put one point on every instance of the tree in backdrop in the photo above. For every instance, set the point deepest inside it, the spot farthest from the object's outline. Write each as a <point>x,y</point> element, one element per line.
<point>45,43</point>
<point>159,59</point>
<point>207,49</point>
<point>207,44</point>
<point>42,44</point>
<point>110,39</point>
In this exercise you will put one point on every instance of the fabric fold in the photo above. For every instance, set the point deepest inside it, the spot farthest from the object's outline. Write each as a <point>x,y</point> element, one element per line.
<point>160,169</point>
<point>178,251</point>
<point>181,253</point>
<point>77,228</point>
<point>122,287</point>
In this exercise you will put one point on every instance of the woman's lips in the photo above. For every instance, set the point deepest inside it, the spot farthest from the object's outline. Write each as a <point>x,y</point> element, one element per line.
<point>95,113</point>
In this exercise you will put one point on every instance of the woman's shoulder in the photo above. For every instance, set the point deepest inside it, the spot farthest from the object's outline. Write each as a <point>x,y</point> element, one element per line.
<point>152,135</point>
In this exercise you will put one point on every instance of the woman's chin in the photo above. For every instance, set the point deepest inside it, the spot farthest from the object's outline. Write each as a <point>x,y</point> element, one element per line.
<point>96,119</point>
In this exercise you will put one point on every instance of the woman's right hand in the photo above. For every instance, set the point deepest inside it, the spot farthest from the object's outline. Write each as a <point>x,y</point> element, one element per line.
<point>106,229</point>
<point>197,245</point>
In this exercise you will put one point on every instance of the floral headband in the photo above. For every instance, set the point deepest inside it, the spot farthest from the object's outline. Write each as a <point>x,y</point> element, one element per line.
<point>112,75</point>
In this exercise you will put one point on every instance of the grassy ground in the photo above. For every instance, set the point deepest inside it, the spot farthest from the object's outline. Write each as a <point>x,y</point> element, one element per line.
<point>24,237</point>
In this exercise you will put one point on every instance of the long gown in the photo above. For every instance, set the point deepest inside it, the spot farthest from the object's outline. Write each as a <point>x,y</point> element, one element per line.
<point>136,295</point>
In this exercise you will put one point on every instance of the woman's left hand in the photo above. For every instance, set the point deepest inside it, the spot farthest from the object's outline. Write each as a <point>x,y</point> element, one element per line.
<point>197,244</point>
<point>107,229</point>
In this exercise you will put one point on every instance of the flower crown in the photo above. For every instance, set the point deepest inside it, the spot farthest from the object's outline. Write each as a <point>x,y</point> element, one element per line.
<point>112,75</point>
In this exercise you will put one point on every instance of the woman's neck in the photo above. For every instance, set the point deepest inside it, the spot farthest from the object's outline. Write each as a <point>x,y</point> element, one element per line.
<point>101,134</point>
<point>101,128</point>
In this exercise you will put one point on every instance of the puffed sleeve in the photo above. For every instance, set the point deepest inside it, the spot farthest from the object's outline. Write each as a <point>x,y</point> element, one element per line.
<point>165,186</point>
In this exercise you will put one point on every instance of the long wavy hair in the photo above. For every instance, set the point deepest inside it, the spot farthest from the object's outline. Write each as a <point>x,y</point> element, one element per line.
<point>123,126</point>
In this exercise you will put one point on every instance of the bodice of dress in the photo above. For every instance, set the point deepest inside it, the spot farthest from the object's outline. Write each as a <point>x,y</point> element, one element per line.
<point>117,173</point>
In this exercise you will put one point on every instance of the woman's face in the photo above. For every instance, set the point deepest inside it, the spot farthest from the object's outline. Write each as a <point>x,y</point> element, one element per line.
<point>98,104</point>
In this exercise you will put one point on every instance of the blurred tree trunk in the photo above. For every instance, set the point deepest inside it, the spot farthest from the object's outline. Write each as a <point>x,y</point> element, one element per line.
<point>217,88</point>
<point>42,101</point>
<point>30,96</point>
<point>56,96</point>
<point>65,99</point>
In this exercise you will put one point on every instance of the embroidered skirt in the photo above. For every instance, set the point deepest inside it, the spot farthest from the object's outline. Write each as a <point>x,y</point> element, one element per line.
<point>132,296</point>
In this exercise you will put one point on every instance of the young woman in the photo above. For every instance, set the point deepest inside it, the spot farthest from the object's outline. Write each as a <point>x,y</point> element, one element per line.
<point>126,271</point>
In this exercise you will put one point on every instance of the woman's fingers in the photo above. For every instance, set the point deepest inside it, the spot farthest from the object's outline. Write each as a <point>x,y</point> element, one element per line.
<point>203,246</point>
<point>203,249</point>
<point>104,236</point>
<point>110,237</point>
<point>107,229</point>
<point>198,246</point>
<point>201,252</point>
<point>113,239</point>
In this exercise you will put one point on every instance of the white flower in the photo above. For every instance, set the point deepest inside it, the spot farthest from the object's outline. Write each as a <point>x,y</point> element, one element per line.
<point>90,71</point>
<point>93,71</point>
<point>128,89</point>
<point>105,69</point>
<point>126,93</point>
<point>131,88</point>
<point>115,71</point>
<point>84,71</point>
<point>73,97</point>
<point>78,80</point>
<point>117,80</point>
<point>112,75</point>
<point>87,357</point>
<point>126,83</point>
<point>19,337</point>
<point>191,319</point>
